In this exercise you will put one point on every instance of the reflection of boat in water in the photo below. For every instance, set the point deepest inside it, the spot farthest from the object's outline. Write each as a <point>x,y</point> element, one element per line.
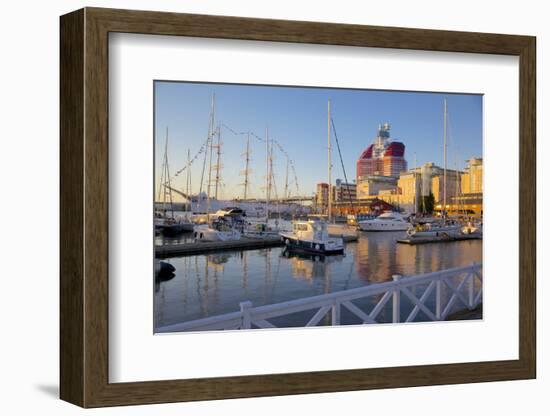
<point>302,255</point>
<point>388,221</point>
<point>312,237</point>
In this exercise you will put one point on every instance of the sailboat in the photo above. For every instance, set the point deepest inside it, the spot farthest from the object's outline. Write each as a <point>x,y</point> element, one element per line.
<point>444,229</point>
<point>313,236</point>
<point>165,221</point>
<point>227,223</point>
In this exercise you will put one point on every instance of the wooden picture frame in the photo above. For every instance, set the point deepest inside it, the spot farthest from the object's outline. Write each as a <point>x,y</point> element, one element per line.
<point>84,207</point>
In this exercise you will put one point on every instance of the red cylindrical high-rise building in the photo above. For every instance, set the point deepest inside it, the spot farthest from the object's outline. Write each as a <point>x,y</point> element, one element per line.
<point>384,157</point>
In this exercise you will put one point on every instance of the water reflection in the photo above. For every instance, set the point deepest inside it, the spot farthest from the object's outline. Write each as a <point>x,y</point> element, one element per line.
<point>213,284</point>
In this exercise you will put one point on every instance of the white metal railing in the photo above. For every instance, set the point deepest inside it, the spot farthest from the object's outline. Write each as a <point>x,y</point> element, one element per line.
<point>454,279</point>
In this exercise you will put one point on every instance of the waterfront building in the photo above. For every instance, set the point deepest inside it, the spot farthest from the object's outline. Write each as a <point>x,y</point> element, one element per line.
<point>343,191</point>
<point>470,199</point>
<point>470,204</point>
<point>413,185</point>
<point>371,205</point>
<point>409,187</point>
<point>472,178</point>
<point>372,185</point>
<point>384,157</point>
<point>321,195</point>
<point>453,184</point>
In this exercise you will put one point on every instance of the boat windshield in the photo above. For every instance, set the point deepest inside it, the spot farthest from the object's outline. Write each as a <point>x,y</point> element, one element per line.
<point>300,227</point>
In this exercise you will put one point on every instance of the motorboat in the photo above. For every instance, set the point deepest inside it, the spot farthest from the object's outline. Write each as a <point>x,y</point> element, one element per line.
<point>387,221</point>
<point>312,237</point>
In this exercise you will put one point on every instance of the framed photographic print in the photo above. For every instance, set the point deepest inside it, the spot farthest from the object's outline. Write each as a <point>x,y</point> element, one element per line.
<point>255,207</point>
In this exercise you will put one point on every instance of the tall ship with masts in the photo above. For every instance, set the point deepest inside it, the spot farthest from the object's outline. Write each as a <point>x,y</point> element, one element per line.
<point>165,221</point>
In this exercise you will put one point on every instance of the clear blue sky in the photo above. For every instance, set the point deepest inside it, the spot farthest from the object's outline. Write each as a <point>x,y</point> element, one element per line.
<point>297,119</point>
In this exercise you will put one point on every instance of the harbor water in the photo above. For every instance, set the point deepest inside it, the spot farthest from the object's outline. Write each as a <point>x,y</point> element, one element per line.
<point>214,284</point>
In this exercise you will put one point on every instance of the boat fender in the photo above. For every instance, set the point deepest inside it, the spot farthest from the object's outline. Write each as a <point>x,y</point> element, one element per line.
<point>317,247</point>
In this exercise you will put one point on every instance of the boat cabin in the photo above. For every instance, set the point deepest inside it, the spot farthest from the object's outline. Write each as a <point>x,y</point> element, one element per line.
<point>310,230</point>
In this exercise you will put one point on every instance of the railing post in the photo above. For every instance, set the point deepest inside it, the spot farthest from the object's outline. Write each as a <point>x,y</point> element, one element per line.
<point>335,313</point>
<point>245,310</point>
<point>396,299</point>
<point>438,299</point>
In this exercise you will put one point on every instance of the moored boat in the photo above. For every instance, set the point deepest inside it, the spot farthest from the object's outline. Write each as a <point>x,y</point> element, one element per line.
<point>472,228</point>
<point>312,237</point>
<point>227,224</point>
<point>172,226</point>
<point>387,221</point>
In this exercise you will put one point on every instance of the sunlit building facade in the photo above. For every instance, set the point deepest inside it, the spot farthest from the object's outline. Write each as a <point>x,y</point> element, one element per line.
<point>472,178</point>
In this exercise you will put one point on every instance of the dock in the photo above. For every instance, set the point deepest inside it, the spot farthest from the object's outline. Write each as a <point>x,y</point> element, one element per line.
<point>244,243</point>
<point>427,240</point>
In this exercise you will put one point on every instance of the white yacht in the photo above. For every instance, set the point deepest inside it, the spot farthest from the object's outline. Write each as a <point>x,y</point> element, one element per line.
<point>312,237</point>
<point>388,221</point>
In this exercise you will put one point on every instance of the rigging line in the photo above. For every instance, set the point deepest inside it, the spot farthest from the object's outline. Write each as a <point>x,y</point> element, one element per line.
<point>342,162</point>
<point>279,146</point>
<point>201,150</point>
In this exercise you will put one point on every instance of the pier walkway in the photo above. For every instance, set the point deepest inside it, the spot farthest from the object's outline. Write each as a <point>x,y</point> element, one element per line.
<point>463,284</point>
<point>244,243</point>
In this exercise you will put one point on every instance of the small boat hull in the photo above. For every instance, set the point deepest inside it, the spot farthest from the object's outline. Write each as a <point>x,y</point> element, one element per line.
<point>208,234</point>
<point>175,229</point>
<point>377,226</point>
<point>329,247</point>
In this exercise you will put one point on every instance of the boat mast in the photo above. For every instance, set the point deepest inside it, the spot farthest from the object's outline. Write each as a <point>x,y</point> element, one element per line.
<point>329,211</point>
<point>444,210</point>
<point>286,181</point>
<point>246,169</point>
<point>457,190</point>
<point>209,150</point>
<point>268,175</point>
<point>415,185</point>
<point>166,184</point>
<point>188,185</point>
<point>218,162</point>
